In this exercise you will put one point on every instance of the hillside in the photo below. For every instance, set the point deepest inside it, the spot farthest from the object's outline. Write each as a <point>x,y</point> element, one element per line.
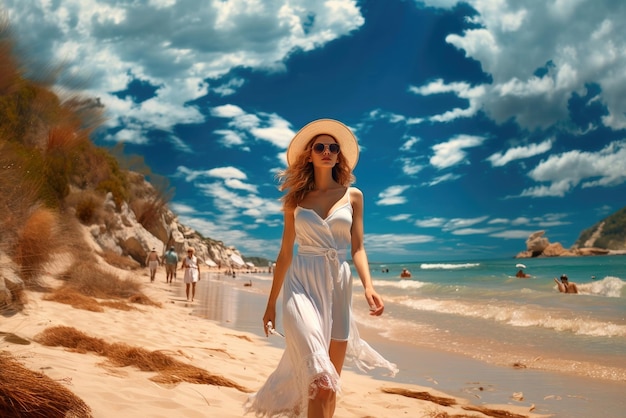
<point>609,233</point>
<point>607,237</point>
<point>61,194</point>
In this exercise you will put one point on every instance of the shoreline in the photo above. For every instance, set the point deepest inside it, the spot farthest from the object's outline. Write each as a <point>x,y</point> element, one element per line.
<point>174,329</point>
<point>549,390</point>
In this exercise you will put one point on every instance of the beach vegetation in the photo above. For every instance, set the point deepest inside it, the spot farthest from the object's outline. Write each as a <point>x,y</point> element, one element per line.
<point>119,261</point>
<point>52,172</point>
<point>609,233</point>
<point>84,277</point>
<point>169,370</point>
<point>27,393</point>
<point>35,239</point>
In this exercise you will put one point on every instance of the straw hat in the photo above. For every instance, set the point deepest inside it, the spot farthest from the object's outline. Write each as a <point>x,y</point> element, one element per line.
<point>344,136</point>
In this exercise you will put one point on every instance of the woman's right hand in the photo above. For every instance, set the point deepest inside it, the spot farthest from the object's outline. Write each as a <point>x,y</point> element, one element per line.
<point>270,315</point>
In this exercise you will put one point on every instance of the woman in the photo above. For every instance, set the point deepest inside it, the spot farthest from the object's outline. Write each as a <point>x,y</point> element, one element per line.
<point>192,273</point>
<point>324,216</point>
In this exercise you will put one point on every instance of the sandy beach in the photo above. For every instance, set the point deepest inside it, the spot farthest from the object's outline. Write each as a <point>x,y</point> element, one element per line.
<point>175,329</point>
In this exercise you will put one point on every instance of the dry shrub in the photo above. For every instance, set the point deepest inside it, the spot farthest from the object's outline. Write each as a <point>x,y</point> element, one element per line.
<point>88,206</point>
<point>120,261</point>
<point>25,393</point>
<point>424,396</point>
<point>69,296</point>
<point>148,211</point>
<point>169,369</point>
<point>63,136</point>
<point>73,339</point>
<point>17,193</point>
<point>36,241</point>
<point>90,280</point>
<point>84,281</point>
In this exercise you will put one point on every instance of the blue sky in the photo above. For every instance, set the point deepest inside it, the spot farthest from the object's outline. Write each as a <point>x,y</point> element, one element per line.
<point>479,122</point>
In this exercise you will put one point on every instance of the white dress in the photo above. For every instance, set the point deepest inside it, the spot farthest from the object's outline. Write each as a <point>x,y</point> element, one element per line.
<point>317,294</point>
<point>191,269</point>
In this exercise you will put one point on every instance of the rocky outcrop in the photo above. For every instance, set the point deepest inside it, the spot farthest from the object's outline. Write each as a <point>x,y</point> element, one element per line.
<point>124,235</point>
<point>537,245</point>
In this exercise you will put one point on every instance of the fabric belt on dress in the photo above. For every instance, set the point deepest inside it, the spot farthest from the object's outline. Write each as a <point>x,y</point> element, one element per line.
<point>332,256</point>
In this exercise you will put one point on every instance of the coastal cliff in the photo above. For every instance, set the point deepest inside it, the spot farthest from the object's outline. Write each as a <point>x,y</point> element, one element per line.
<point>607,237</point>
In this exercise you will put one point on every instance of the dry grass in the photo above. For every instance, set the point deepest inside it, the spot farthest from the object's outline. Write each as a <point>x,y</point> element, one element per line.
<point>76,300</point>
<point>169,369</point>
<point>24,393</point>
<point>148,211</point>
<point>119,261</point>
<point>90,280</point>
<point>36,241</point>
<point>424,396</point>
<point>18,194</point>
<point>85,281</point>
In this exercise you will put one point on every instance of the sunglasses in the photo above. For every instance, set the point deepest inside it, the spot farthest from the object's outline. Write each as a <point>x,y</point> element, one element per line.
<point>320,148</point>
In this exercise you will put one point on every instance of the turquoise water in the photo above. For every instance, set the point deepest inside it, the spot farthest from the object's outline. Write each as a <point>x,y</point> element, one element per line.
<point>456,326</point>
<point>483,303</point>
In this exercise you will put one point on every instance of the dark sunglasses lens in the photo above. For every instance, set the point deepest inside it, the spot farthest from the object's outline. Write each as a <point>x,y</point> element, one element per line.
<point>332,148</point>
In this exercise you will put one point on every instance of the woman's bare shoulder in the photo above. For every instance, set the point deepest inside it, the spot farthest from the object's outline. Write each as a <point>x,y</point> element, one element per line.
<point>356,197</point>
<point>355,193</point>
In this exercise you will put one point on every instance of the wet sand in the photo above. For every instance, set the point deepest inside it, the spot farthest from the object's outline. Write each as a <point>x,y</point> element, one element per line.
<point>232,304</point>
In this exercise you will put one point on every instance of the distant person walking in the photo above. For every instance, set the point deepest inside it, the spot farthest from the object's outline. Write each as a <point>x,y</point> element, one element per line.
<point>152,261</point>
<point>192,273</point>
<point>565,286</point>
<point>171,262</point>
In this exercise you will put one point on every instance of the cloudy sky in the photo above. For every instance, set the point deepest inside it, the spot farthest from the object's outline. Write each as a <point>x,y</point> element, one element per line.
<point>479,122</point>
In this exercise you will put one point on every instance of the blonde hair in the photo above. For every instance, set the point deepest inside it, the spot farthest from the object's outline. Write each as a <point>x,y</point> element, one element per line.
<point>298,179</point>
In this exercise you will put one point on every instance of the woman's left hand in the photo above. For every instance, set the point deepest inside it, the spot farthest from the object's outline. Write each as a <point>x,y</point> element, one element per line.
<point>375,302</point>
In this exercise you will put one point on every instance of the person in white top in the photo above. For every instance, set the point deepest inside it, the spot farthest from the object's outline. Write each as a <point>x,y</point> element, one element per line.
<point>192,273</point>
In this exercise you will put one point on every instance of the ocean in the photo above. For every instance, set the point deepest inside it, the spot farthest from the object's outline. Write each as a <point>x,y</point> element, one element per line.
<point>474,330</point>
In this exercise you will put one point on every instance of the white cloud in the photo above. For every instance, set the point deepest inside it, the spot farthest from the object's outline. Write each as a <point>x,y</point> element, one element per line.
<point>400,217</point>
<point>219,172</point>
<point>453,152</point>
<point>443,179</point>
<point>563,172</point>
<point>261,126</point>
<point>430,222</point>
<point>382,243</point>
<point>175,46</point>
<point>409,143</point>
<point>500,159</point>
<point>410,166</point>
<point>462,90</point>
<point>458,223</point>
<point>473,231</point>
<point>515,39</point>
<point>240,185</point>
<point>513,234</point>
<point>392,196</point>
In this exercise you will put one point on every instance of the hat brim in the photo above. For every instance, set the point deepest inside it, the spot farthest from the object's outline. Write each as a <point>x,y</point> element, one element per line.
<point>344,136</point>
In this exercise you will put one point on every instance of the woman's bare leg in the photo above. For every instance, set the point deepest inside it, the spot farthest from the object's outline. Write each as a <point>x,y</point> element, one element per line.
<point>323,406</point>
